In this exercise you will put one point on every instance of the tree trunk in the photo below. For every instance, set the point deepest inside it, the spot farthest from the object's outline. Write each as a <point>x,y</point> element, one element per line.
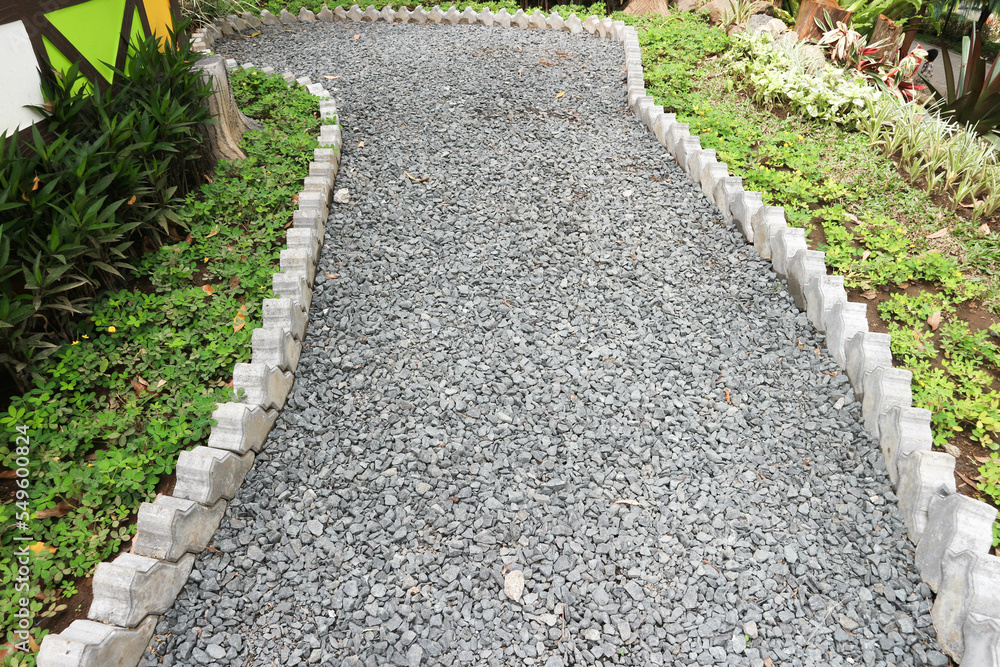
<point>223,136</point>
<point>984,16</point>
<point>886,29</point>
<point>810,10</point>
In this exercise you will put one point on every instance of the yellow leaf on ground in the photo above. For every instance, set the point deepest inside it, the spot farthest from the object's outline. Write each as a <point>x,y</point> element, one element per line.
<point>34,185</point>
<point>938,234</point>
<point>208,289</point>
<point>560,94</point>
<point>39,547</point>
<point>240,320</point>
<point>132,200</point>
<point>215,230</point>
<point>361,144</point>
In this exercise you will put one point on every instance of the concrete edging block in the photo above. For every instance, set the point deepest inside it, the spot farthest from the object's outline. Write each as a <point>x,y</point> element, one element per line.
<point>306,15</point>
<point>922,475</point>
<point>804,267</point>
<point>674,134</point>
<point>503,18</point>
<point>387,14</point>
<point>265,386</point>
<point>766,222</point>
<point>822,294</point>
<point>91,644</point>
<point>694,163</point>
<point>132,587</point>
<point>864,353</point>
<point>452,16</point>
<point>845,320</point>
<point>662,126</point>
<point>293,286</point>
<point>726,191</point>
<point>207,475</point>
<point>170,527</point>
<point>285,17</point>
<point>688,147</point>
<point>785,243</point>
<point>885,387</point>
<point>712,173</point>
<point>240,428</point>
<point>743,208</point>
<point>304,238</point>
<point>955,523</point>
<point>298,261</point>
<point>969,594</point>
<point>275,347</point>
<point>903,430</point>
<point>981,635</point>
<point>285,313</point>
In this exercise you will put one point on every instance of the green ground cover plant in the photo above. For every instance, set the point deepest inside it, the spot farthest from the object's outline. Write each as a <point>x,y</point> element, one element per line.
<point>109,412</point>
<point>787,129</point>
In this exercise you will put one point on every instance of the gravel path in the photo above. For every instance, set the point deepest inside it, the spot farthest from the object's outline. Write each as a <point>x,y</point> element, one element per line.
<point>551,356</point>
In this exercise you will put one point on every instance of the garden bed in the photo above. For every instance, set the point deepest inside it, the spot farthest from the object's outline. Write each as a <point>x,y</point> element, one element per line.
<point>109,413</point>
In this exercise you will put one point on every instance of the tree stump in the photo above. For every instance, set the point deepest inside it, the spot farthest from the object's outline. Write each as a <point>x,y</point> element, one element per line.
<point>810,10</point>
<point>222,136</point>
<point>886,29</point>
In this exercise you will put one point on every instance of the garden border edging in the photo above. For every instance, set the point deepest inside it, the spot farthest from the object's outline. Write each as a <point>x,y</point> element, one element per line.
<point>133,591</point>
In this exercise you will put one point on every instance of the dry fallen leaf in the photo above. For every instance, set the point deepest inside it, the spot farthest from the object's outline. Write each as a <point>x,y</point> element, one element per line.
<point>361,144</point>
<point>234,282</point>
<point>414,178</point>
<point>984,228</point>
<point>972,205</point>
<point>869,294</point>
<point>208,289</point>
<point>331,276</point>
<point>132,200</point>
<point>513,585</point>
<point>507,567</point>
<point>952,449</point>
<point>240,320</point>
<point>255,34</point>
<point>62,509</point>
<point>904,285</point>
<point>560,94</point>
<point>982,459</point>
<point>865,255</point>
<point>625,501</point>
<point>852,218</point>
<point>968,481</point>
<point>934,321</point>
<point>938,234</point>
<point>330,76</point>
<point>729,397</point>
<point>34,185</point>
<point>357,37</point>
<point>215,230</point>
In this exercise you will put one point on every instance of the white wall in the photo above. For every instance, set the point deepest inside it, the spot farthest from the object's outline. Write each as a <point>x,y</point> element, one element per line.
<point>19,79</point>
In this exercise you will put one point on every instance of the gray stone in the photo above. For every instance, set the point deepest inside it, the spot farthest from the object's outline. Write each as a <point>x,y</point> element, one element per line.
<point>92,644</point>
<point>343,196</point>
<point>743,208</point>
<point>885,387</point>
<point>785,243</point>
<point>922,476</point>
<point>275,347</point>
<point>981,635</point>
<point>169,527</point>
<point>285,313</point>
<point>262,385</point>
<point>955,523</point>
<point>240,428</point>
<point>903,430</point>
<point>132,587</point>
<point>206,475</point>
<point>805,266</point>
<point>970,585</point>
<point>765,223</point>
<point>863,354</point>
<point>846,320</point>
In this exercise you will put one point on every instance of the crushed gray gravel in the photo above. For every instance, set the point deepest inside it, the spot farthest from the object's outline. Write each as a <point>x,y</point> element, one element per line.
<point>551,356</point>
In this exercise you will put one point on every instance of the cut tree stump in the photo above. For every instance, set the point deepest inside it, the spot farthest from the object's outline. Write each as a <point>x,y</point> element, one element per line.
<point>222,136</point>
<point>886,29</point>
<point>641,7</point>
<point>810,10</point>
